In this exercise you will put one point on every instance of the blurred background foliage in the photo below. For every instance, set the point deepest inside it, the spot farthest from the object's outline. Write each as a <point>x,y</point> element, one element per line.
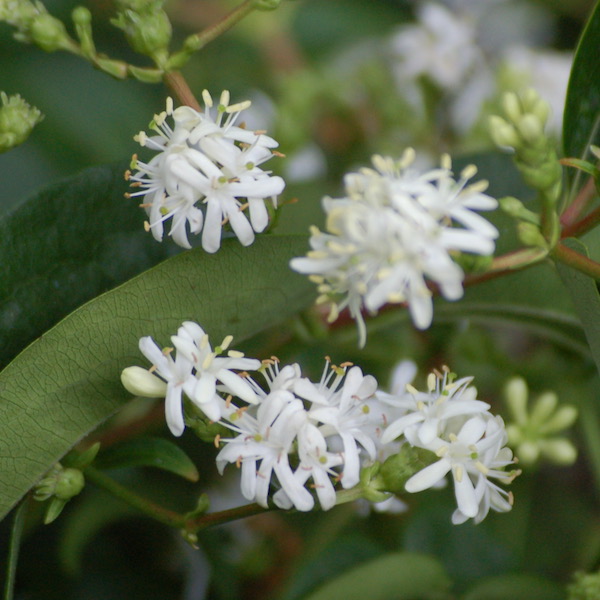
<point>320,79</point>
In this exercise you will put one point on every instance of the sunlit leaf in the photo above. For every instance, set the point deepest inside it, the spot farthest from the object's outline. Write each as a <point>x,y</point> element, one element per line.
<point>67,382</point>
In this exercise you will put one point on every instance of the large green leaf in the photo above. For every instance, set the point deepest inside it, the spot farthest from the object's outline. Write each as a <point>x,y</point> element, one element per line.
<point>63,247</point>
<point>582,108</point>
<point>398,576</point>
<point>67,382</point>
<point>584,292</point>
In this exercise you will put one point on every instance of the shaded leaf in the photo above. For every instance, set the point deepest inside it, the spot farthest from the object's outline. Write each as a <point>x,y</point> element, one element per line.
<point>148,452</point>
<point>67,382</point>
<point>582,109</point>
<point>515,587</point>
<point>398,576</point>
<point>63,247</point>
<point>584,293</point>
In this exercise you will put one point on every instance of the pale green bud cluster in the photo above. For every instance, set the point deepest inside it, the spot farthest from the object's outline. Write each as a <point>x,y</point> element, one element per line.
<point>60,484</point>
<point>585,586</point>
<point>17,119</point>
<point>147,27</point>
<point>532,433</point>
<point>522,129</point>
<point>34,24</point>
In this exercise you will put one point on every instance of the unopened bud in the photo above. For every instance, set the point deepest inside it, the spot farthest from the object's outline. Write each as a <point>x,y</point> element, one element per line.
<point>17,119</point>
<point>512,106</point>
<point>516,209</point>
<point>69,483</point>
<point>531,235</point>
<point>115,68</point>
<point>530,128</point>
<point>558,450</point>
<point>49,33</point>
<point>82,19</point>
<point>148,32</point>
<point>140,382</point>
<point>503,133</point>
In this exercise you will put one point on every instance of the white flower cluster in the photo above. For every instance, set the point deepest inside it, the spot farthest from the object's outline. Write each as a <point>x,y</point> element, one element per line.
<point>396,227</point>
<point>474,50</point>
<point>295,439</point>
<point>469,441</point>
<point>209,160</point>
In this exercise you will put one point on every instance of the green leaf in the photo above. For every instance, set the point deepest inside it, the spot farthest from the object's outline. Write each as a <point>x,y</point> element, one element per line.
<point>63,247</point>
<point>398,576</point>
<point>67,382</point>
<point>148,452</point>
<point>582,109</point>
<point>515,587</point>
<point>584,293</point>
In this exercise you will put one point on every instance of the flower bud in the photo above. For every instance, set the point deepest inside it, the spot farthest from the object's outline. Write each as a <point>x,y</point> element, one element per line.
<point>512,106</point>
<point>82,18</point>
<point>148,32</point>
<point>69,483</point>
<point>17,119</point>
<point>530,128</point>
<point>516,209</point>
<point>560,451</point>
<point>49,33</point>
<point>115,68</point>
<point>140,382</point>
<point>530,235</point>
<point>503,134</point>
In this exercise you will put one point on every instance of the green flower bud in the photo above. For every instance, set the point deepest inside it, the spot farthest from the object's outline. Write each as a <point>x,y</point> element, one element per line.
<point>371,484</point>
<point>516,209</point>
<point>82,18</point>
<point>49,33</point>
<point>17,119</point>
<point>148,32</point>
<point>69,483</point>
<point>60,483</point>
<point>400,467</point>
<point>530,235</point>
<point>512,106</point>
<point>532,434</point>
<point>503,134</point>
<point>530,128</point>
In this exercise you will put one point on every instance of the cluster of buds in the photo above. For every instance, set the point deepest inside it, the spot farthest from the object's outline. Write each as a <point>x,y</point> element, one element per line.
<point>34,24</point>
<point>60,485</point>
<point>522,130</point>
<point>17,119</point>
<point>533,433</point>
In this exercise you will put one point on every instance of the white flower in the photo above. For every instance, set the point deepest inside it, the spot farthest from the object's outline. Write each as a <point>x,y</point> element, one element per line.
<point>441,46</point>
<point>397,227</point>
<point>474,454</point>
<point>262,448</point>
<point>428,413</point>
<point>195,370</point>
<point>209,160</point>
<point>342,410</point>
